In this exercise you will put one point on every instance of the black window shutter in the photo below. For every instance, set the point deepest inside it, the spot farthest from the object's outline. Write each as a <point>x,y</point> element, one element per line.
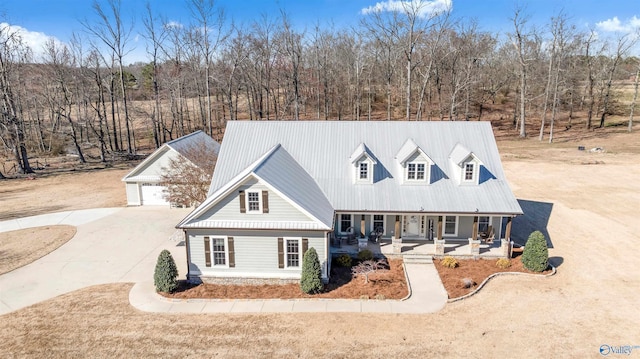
<point>305,245</point>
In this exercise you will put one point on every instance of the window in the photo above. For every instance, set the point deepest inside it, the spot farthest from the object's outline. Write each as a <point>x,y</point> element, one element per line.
<point>416,171</point>
<point>364,171</point>
<point>253,201</point>
<point>469,169</point>
<point>293,253</point>
<point>219,254</point>
<point>483,224</point>
<point>378,222</point>
<point>451,225</point>
<point>345,222</point>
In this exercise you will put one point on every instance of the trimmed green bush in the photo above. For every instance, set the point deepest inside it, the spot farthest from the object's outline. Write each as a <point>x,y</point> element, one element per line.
<point>535,256</point>
<point>365,255</point>
<point>344,260</point>
<point>166,273</point>
<point>311,279</point>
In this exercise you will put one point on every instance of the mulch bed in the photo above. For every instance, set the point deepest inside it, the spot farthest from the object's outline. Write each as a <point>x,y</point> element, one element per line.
<point>477,271</point>
<point>386,284</point>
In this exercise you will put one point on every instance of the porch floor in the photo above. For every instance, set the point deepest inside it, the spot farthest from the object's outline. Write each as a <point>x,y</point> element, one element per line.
<point>452,247</point>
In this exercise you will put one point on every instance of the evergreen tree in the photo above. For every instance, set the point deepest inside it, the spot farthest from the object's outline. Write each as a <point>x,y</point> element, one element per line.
<point>311,280</point>
<point>166,273</point>
<point>535,256</point>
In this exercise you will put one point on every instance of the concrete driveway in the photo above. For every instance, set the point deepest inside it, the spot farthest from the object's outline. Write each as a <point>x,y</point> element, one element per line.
<point>111,245</point>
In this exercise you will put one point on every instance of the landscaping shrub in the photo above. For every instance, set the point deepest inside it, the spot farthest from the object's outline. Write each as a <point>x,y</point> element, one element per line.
<point>449,262</point>
<point>166,273</point>
<point>503,263</point>
<point>344,260</point>
<point>311,280</point>
<point>365,255</point>
<point>535,256</point>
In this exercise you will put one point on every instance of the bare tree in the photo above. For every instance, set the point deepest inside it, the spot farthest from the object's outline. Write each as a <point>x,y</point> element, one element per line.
<point>210,22</point>
<point>187,177</point>
<point>623,44</point>
<point>519,39</point>
<point>635,97</point>
<point>111,32</point>
<point>366,268</point>
<point>13,53</point>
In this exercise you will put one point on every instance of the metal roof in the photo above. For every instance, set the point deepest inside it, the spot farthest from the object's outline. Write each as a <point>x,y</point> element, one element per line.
<point>323,149</point>
<point>180,145</point>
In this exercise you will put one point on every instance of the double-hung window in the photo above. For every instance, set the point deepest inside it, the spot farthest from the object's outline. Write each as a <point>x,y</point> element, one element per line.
<point>253,201</point>
<point>363,173</point>
<point>378,222</point>
<point>293,252</point>
<point>469,169</point>
<point>345,222</point>
<point>218,252</point>
<point>451,225</point>
<point>416,171</point>
<point>483,224</point>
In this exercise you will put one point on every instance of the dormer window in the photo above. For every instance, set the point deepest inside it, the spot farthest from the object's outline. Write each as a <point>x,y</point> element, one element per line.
<point>469,171</point>
<point>416,171</point>
<point>415,163</point>
<point>363,163</point>
<point>363,174</point>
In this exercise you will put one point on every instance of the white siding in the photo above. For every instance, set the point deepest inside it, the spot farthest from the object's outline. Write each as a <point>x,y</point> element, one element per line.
<point>256,253</point>
<point>154,168</point>
<point>279,209</point>
<point>133,194</point>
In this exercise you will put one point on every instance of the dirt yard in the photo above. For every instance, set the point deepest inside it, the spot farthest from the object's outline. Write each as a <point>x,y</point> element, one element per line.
<point>586,202</point>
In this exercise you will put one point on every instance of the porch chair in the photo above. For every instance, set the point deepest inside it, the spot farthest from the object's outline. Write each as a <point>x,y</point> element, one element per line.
<point>491,236</point>
<point>351,236</point>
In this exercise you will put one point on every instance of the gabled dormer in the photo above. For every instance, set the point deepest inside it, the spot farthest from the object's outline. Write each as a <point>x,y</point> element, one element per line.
<point>415,164</point>
<point>466,165</point>
<point>363,162</point>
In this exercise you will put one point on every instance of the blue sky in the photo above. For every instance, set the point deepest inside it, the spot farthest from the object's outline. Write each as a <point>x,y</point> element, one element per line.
<point>39,19</point>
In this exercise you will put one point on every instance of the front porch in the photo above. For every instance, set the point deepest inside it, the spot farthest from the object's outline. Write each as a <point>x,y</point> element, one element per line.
<point>452,247</point>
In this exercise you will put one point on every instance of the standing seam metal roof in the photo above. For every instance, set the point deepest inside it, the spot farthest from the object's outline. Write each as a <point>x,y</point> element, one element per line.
<point>323,149</point>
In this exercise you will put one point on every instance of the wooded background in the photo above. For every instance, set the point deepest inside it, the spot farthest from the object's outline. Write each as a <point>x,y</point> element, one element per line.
<point>82,97</point>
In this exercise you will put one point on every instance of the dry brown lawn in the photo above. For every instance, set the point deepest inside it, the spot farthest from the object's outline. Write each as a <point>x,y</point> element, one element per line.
<point>588,202</point>
<point>21,247</point>
<point>63,191</point>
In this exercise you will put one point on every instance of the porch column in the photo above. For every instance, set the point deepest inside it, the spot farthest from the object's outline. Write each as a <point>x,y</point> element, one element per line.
<point>505,244</point>
<point>396,240</point>
<point>475,228</point>
<point>439,242</point>
<point>362,229</point>
<point>474,242</point>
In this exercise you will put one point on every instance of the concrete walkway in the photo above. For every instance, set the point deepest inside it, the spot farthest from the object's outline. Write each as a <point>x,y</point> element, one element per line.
<point>428,296</point>
<point>122,245</point>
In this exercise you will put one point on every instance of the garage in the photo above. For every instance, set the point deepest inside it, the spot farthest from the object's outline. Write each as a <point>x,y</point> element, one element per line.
<point>152,194</point>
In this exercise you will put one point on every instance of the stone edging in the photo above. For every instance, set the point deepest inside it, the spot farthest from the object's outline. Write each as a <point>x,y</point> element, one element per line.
<point>452,300</point>
<point>406,279</point>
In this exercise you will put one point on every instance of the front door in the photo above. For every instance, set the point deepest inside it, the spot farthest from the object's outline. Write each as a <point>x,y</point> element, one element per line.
<point>412,226</point>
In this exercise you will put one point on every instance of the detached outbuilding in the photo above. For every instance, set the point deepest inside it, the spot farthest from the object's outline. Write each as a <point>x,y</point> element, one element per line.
<point>143,182</point>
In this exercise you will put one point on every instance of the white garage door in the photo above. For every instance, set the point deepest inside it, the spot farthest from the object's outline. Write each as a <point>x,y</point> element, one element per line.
<point>153,195</point>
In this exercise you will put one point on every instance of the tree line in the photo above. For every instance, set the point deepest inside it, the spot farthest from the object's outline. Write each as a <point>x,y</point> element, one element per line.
<point>415,63</point>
